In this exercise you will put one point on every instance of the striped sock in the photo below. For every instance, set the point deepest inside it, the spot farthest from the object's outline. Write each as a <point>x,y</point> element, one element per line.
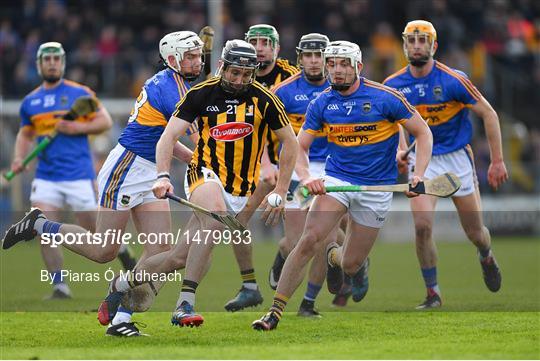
<point>312,291</point>
<point>43,225</point>
<point>430,279</point>
<point>248,279</point>
<point>125,282</point>
<point>484,253</point>
<point>188,292</point>
<point>279,303</point>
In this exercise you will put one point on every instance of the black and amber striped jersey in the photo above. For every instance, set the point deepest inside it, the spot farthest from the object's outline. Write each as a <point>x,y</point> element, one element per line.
<point>232,132</point>
<point>282,70</point>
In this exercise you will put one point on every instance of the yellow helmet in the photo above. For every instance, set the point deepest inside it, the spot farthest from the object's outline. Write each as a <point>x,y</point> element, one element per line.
<point>419,27</point>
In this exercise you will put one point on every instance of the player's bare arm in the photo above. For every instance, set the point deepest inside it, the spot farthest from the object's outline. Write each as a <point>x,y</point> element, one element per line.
<point>424,144</point>
<point>401,159</point>
<point>23,143</point>
<point>287,161</point>
<point>182,153</point>
<point>175,128</point>
<point>269,173</point>
<point>101,122</point>
<point>314,185</point>
<point>497,173</point>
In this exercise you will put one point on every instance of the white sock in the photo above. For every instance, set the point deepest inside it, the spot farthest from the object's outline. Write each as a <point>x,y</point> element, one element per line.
<point>250,285</point>
<point>39,224</point>
<point>122,283</point>
<point>186,296</point>
<point>123,248</point>
<point>121,317</point>
<point>62,287</point>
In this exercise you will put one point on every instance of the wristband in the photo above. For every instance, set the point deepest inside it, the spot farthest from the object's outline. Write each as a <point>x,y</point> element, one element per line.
<point>164,175</point>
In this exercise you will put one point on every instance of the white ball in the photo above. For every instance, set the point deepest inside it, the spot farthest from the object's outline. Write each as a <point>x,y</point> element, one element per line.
<point>274,200</point>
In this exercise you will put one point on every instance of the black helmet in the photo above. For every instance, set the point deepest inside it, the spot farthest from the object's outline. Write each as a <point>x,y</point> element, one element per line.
<point>312,42</point>
<point>241,54</point>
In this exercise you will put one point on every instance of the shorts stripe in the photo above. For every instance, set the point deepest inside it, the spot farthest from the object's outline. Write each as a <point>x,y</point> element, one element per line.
<point>195,178</point>
<point>470,155</point>
<point>115,180</point>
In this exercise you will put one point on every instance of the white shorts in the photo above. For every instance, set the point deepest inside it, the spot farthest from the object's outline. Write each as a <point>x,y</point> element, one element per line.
<point>125,180</point>
<point>459,162</point>
<point>316,169</point>
<point>365,208</point>
<point>80,195</point>
<point>234,204</point>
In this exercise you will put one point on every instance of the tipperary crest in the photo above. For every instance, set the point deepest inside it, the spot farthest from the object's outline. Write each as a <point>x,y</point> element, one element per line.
<point>366,107</point>
<point>437,92</point>
<point>125,200</point>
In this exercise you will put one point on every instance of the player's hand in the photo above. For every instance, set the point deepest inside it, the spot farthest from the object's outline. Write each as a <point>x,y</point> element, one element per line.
<point>272,215</point>
<point>314,185</point>
<point>497,174</point>
<point>69,128</point>
<point>414,182</point>
<point>161,187</point>
<point>402,161</point>
<point>17,165</point>
<point>269,174</point>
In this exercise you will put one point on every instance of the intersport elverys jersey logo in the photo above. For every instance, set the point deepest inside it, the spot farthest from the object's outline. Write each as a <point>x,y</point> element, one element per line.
<point>230,132</point>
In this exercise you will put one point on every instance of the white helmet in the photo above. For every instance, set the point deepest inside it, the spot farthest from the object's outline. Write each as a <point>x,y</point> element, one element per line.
<point>52,47</point>
<point>176,44</point>
<point>343,49</point>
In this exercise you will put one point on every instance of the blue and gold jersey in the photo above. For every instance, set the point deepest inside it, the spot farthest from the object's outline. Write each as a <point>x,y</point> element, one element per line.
<point>362,131</point>
<point>67,157</point>
<point>151,112</point>
<point>443,99</point>
<point>296,93</point>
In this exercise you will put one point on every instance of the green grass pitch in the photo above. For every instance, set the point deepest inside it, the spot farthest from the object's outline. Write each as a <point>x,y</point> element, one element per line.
<point>472,324</point>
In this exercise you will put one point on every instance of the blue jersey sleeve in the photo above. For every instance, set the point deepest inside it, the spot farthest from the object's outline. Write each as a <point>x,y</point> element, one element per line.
<point>313,124</point>
<point>283,95</point>
<point>25,118</point>
<point>463,89</point>
<point>396,107</point>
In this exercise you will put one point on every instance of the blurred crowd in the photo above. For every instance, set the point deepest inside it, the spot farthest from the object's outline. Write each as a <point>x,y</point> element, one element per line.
<point>112,46</point>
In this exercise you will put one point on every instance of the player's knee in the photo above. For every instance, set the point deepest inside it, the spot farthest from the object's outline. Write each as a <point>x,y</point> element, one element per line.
<point>106,255</point>
<point>176,261</point>
<point>475,234</point>
<point>423,231</point>
<point>350,264</point>
<point>308,243</point>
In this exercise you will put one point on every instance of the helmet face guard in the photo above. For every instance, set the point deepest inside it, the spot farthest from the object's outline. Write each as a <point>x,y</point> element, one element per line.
<point>419,31</point>
<point>342,50</point>
<point>177,44</point>
<point>240,55</point>
<point>311,43</point>
<point>268,32</point>
<point>50,48</point>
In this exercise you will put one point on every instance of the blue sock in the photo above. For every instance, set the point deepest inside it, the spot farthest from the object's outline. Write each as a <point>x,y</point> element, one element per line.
<point>125,310</point>
<point>57,277</point>
<point>430,276</point>
<point>312,291</point>
<point>50,227</point>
